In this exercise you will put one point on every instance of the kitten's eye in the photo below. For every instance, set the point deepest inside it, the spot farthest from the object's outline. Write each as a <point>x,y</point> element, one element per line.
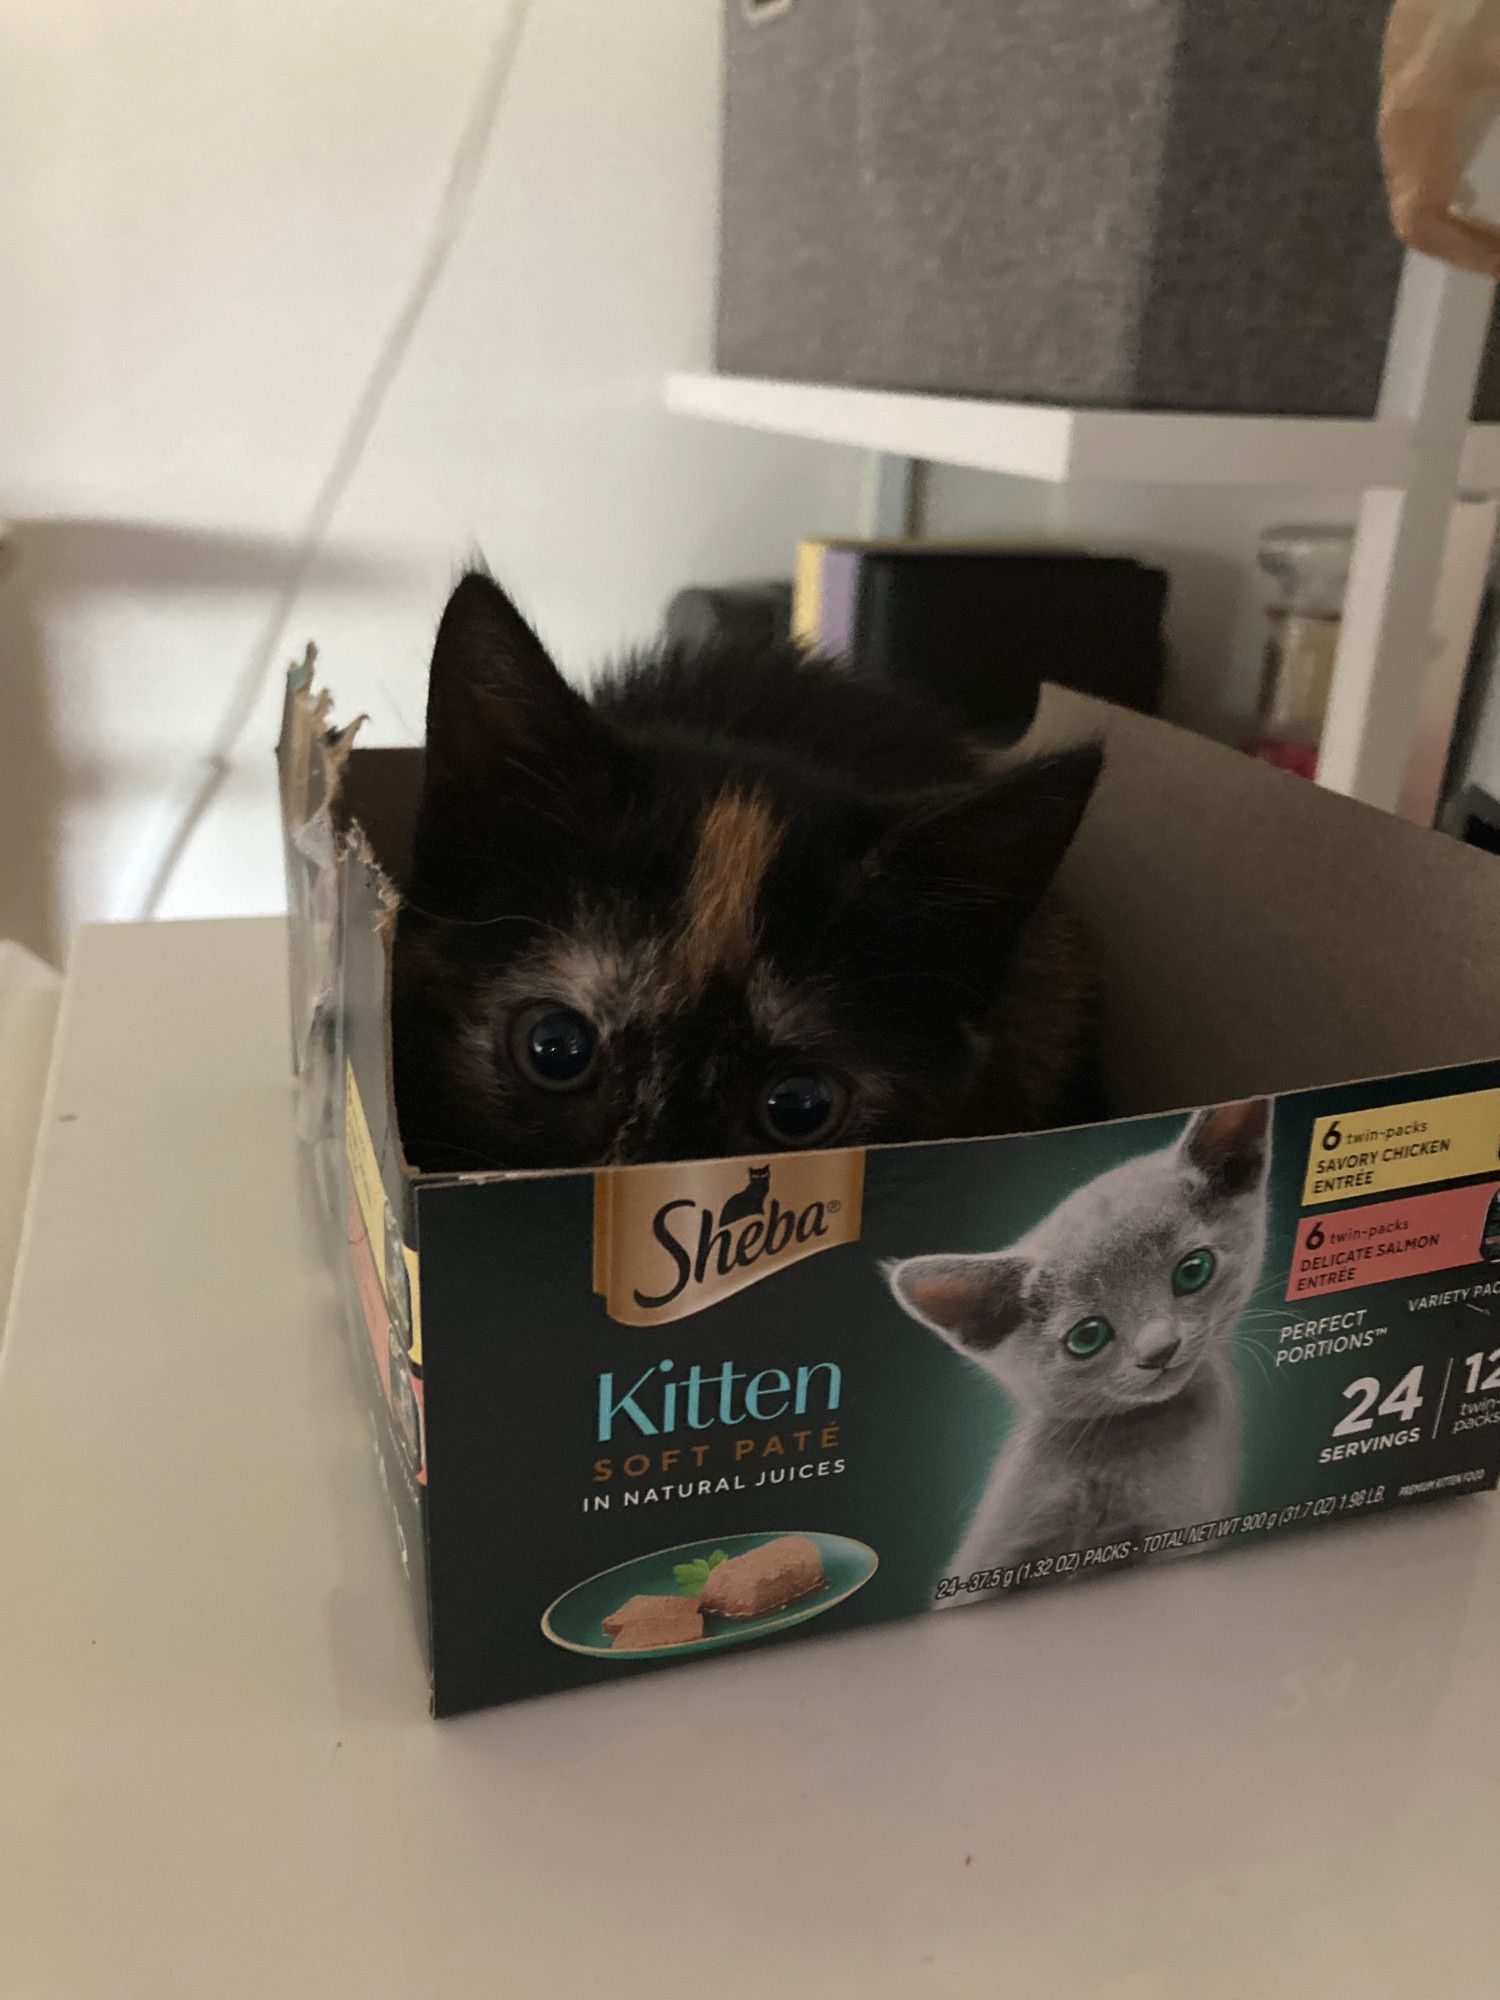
<point>1194,1272</point>
<point>803,1109</point>
<point>553,1047</point>
<point>1088,1338</point>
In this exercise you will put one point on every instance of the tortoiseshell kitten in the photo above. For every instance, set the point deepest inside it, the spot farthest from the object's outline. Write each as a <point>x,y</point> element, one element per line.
<point>730,901</point>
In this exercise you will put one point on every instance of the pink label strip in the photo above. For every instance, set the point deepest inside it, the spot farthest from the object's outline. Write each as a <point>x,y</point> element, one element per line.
<point>1351,1247</point>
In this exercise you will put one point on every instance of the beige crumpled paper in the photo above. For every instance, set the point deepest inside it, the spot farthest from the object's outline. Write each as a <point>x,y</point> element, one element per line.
<point>1440,93</point>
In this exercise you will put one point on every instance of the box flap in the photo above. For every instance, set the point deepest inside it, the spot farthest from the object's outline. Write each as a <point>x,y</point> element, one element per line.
<point>1258,933</point>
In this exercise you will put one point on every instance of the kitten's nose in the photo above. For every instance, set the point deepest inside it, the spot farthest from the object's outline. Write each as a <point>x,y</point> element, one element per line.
<point>1156,1348</point>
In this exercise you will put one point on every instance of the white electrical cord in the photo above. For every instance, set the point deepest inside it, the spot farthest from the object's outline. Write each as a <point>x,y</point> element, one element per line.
<point>202,783</point>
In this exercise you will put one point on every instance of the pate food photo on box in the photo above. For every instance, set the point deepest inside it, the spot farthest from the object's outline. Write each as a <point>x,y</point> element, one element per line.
<point>718,1597</point>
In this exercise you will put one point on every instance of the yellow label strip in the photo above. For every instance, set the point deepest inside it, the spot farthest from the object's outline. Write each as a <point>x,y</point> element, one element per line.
<point>364,1169</point>
<point>1357,1153</point>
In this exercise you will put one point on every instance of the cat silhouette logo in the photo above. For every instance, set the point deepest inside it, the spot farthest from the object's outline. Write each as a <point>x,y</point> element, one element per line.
<point>751,1199</point>
<point>670,1240</point>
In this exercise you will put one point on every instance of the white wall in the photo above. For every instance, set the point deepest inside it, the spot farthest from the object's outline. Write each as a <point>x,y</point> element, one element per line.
<point>211,213</point>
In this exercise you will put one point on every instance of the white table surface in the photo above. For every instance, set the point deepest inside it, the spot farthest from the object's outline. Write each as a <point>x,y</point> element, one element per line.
<point>1273,1772</point>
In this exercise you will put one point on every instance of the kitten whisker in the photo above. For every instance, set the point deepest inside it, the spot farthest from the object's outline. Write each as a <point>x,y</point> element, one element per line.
<point>919,977</point>
<point>476,923</point>
<point>1261,1363</point>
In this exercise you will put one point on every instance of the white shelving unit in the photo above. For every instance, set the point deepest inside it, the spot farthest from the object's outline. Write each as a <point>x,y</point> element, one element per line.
<point>1061,445</point>
<point>1409,461</point>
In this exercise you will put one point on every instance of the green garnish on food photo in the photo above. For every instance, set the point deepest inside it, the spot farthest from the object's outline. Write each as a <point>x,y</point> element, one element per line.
<point>691,1576</point>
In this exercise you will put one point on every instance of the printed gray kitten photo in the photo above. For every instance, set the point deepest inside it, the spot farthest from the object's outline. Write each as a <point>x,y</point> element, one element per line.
<point>1110,1327</point>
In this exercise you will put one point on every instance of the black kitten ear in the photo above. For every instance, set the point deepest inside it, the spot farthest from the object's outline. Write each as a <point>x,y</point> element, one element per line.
<point>1231,1144</point>
<point>495,700</point>
<point>972,1301</point>
<point>996,846</point>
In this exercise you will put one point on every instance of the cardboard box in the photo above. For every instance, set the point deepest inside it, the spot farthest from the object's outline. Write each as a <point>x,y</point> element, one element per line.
<point>1272,1298</point>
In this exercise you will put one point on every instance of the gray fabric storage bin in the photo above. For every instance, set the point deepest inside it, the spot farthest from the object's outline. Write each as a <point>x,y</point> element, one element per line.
<point>1151,204</point>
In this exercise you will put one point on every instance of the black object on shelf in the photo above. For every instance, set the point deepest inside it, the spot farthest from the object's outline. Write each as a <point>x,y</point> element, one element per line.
<point>980,630</point>
<point>750,614</point>
<point>1473,816</point>
<point>977,628</point>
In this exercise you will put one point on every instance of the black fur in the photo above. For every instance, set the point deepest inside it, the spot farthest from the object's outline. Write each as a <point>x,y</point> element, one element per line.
<point>557,832</point>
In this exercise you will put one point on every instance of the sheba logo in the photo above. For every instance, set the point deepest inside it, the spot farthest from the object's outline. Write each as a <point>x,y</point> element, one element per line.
<point>670,1240</point>
<point>751,1199</point>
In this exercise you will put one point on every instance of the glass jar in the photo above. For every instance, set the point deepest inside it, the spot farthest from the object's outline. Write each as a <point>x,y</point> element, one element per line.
<point>1308,568</point>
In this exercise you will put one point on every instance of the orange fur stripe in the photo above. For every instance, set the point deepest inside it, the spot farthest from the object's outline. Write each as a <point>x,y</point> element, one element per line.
<point>736,843</point>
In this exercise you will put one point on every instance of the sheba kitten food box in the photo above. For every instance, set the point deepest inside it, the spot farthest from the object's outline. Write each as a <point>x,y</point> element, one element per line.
<point>645,1414</point>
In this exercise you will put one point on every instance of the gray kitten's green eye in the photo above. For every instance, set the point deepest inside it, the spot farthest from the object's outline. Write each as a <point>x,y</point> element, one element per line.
<point>1194,1272</point>
<point>1088,1338</point>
